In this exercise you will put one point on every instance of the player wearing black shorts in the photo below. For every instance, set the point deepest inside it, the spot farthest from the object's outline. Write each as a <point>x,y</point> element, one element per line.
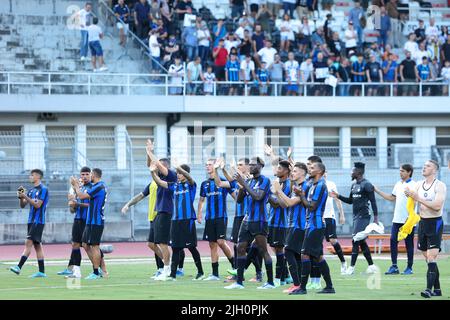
<point>314,201</point>
<point>297,221</point>
<point>362,191</point>
<point>216,218</point>
<point>37,197</point>
<point>183,233</point>
<point>164,206</point>
<point>254,226</point>
<point>277,222</point>
<point>430,195</point>
<point>80,209</point>
<point>95,219</point>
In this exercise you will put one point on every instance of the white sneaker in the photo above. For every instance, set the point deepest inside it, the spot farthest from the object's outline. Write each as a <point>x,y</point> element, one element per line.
<point>372,269</point>
<point>350,271</point>
<point>266,286</point>
<point>234,285</point>
<point>212,278</point>
<point>277,282</point>
<point>161,277</point>
<point>103,68</point>
<point>343,268</point>
<point>95,70</point>
<point>83,58</point>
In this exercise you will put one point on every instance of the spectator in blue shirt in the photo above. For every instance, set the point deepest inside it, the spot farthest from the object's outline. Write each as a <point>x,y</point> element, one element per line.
<point>354,16</point>
<point>122,13</point>
<point>142,18</point>
<point>385,28</point>
<point>263,79</point>
<point>219,32</point>
<point>424,74</point>
<point>190,42</point>
<point>358,74</point>
<point>232,68</point>
<point>389,67</point>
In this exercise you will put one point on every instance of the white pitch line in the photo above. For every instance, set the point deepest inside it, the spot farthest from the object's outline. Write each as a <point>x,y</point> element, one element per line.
<point>65,287</point>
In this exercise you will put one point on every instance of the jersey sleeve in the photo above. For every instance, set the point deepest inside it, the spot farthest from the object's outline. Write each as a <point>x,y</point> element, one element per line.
<point>171,176</point>
<point>265,185</point>
<point>43,194</point>
<point>368,187</point>
<point>95,190</point>
<point>146,190</point>
<point>171,186</point>
<point>202,190</point>
<point>193,190</point>
<point>318,192</point>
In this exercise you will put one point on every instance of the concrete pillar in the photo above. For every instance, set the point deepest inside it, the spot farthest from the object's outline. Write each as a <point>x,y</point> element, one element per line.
<point>345,147</point>
<point>259,140</point>
<point>221,141</point>
<point>160,133</point>
<point>120,132</point>
<point>80,146</point>
<point>424,138</point>
<point>382,147</point>
<point>179,141</point>
<point>34,146</point>
<point>302,142</point>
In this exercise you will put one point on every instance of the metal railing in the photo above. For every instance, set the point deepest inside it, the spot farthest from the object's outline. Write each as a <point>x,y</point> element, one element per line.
<point>85,83</point>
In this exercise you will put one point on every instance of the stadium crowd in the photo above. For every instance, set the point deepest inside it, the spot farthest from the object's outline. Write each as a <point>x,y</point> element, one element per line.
<point>271,41</point>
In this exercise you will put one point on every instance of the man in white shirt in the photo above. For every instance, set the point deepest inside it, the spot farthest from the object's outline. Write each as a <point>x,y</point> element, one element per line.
<point>232,41</point>
<point>307,71</point>
<point>194,74</point>
<point>155,50</point>
<point>84,16</point>
<point>248,71</point>
<point>411,44</point>
<point>95,33</point>
<point>266,54</point>
<point>292,75</point>
<point>420,53</point>
<point>431,30</point>
<point>400,217</point>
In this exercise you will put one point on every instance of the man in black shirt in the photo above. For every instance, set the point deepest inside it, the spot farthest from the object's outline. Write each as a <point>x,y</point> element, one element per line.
<point>408,73</point>
<point>445,50</point>
<point>420,32</point>
<point>362,191</point>
<point>374,73</point>
<point>245,47</point>
<point>237,8</point>
<point>344,73</point>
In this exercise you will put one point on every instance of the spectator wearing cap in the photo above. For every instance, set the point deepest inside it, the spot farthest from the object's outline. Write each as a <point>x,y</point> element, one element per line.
<point>350,38</point>
<point>385,28</point>
<point>142,18</point>
<point>420,32</point>
<point>190,42</point>
<point>220,56</point>
<point>354,16</point>
<point>204,41</point>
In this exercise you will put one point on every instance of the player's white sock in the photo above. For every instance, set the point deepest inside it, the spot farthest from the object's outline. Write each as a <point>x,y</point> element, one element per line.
<point>167,270</point>
<point>76,271</point>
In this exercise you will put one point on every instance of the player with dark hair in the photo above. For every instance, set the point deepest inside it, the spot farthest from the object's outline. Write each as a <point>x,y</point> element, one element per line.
<point>277,222</point>
<point>254,226</point>
<point>216,219</point>
<point>95,219</point>
<point>37,197</point>
<point>183,233</point>
<point>80,209</point>
<point>314,202</point>
<point>297,221</point>
<point>400,216</point>
<point>362,191</point>
<point>430,195</point>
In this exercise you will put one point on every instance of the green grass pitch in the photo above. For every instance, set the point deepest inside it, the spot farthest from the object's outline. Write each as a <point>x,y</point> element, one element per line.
<point>132,281</point>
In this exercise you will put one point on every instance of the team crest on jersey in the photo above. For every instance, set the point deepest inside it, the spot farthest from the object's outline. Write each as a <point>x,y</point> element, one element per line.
<point>425,194</point>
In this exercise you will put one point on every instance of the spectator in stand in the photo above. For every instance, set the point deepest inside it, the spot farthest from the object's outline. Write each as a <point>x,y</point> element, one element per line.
<point>302,8</point>
<point>445,74</point>
<point>389,67</point>
<point>307,71</point>
<point>171,49</point>
<point>387,52</point>
<point>254,7</point>
<point>327,31</point>
<point>354,16</point>
<point>232,68</point>
<point>219,32</point>
<point>142,19</point>
<point>420,32</point>
<point>350,38</point>
<point>266,54</point>
<point>162,30</point>
<point>94,35</point>
<point>344,75</point>
<point>220,56</point>
<point>84,19</point>
<point>263,79</point>
<point>286,33</point>
<point>231,41</point>
<point>274,6</point>
<point>209,78</point>
<point>395,38</point>
<point>289,7</point>
<point>424,74</point>
<point>385,28</point>
<point>431,30</point>
<point>434,49</point>
<point>155,12</point>
<point>445,50</point>
<point>247,71</point>
<point>444,34</point>
<point>358,75</point>
<point>237,8</point>
<point>245,47</point>
<point>292,75</point>
<point>183,7</point>
<point>321,73</point>
<point>258,38</point>
<point>276,69</point>
<point>421,52</point>
<point>411,44</point>
<point>122,13</point>
<point>243,25</point>
<point>375,51</point>
<point>304,35</point>
<point>204,41</point>
<point>194,74</point>
<point>435,69</point>
<point>167,16</point>
<point>318,36</point>
<point>374,73</point>
<point>264,18</point>
<point>336,45</point>
<point>190,42</point>
<point>408,73</point>
<point>313,5</point>
<point>176,71</point>
<point>155,50</point>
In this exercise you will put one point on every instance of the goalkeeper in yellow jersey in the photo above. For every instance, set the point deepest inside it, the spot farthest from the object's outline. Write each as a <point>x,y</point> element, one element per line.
<point>400,217</point>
